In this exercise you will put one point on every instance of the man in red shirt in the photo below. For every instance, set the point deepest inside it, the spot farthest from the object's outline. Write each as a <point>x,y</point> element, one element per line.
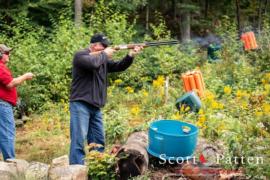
<point>8,98</point>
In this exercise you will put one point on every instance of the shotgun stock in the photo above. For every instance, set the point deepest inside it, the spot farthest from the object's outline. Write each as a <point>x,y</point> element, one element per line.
<point>145,44</point>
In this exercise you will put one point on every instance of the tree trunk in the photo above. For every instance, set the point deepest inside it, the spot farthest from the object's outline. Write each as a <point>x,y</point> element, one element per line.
<point>173,9</point>
<point>78,12</point>
<point>206,6</point>
<point>133,156</point>
<point>185,22</point>
<point>260,18</point>
<point>147,17</point>
<point>238,17</point>
<point>185,27</point>
<point>265,7</point>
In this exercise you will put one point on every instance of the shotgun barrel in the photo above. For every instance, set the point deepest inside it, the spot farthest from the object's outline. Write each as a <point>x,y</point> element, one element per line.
<point>145,44</point>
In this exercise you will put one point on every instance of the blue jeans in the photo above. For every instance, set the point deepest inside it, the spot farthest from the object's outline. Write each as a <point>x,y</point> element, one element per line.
<point>85,124</point>
<point>7,131</point>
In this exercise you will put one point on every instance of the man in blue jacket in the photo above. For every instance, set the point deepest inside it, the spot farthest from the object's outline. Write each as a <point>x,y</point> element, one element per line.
<point>89,92</point>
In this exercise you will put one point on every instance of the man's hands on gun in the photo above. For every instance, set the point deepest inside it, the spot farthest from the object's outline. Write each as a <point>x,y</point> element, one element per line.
<point>110,51</point>
<point>135,51</point>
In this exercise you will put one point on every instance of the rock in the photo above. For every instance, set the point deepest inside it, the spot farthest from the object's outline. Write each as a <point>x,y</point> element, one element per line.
<point>8,171</point>
<point>210,151</point>
<point>25,119</point>
<point>37,171</point>
<point>72,172</point>
<point>18,123</point>
<point>20,164</point>
<point>60,161</point>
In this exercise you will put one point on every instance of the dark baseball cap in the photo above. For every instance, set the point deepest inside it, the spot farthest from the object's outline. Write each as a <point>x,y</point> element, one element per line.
<point>101,38</point>
<point>4,48</point>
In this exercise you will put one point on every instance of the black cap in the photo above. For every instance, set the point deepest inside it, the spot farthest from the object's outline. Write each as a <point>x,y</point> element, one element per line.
<point>4,48</point>
<point>99,37</point>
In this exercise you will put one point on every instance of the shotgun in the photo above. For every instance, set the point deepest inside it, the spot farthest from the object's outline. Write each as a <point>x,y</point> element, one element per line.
<point>145,44</point>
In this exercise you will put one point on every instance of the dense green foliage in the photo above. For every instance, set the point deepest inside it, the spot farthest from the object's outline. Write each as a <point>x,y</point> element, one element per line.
<point>49,56</point>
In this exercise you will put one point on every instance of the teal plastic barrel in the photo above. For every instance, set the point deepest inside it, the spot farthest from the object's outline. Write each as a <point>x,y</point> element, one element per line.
<point>170,139</point>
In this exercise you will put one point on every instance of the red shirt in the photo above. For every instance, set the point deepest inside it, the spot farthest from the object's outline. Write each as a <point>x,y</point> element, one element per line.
<point>9,95</point>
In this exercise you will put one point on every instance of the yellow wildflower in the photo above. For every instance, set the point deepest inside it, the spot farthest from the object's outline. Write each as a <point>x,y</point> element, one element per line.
<point>266,108</point>
<point>118,81</point>
<point>177,116</point>
<point>267,75</point>
<point>184,108</point>
<point>199,124</point>
<point>155,84</point>
<point>66,108</point>
<point>238,93</point>
<point>227,90</point>
<point>129,89</point>
<point>258,113</point>
<point>221,127</point>
<point>144,93</point>
<point>216,105</point>
<point>209,95</point>
<point>159,82</point>
<point>187,109</point>
<point>244,105</point>
<point>201,120</point>
<point>135,110</point>
<point>242,94</point>
<point>201,112</point>
<point>266,78</point>
<point>161,79</point>
<point>220,106</point>
<point>110,90</point>
<point>267,87</point>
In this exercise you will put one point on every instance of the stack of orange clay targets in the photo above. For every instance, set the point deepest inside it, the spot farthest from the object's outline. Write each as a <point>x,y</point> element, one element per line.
<point>249,41</point>
<point>193,81</point>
